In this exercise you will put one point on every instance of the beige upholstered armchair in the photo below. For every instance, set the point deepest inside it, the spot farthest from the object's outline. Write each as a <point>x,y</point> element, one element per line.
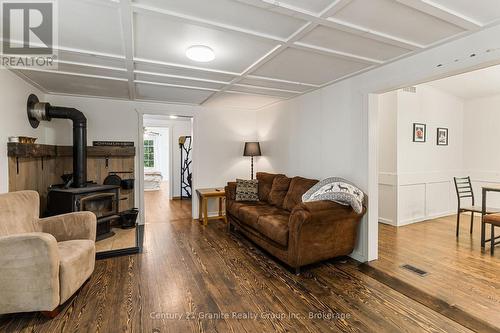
<point>43,262</point>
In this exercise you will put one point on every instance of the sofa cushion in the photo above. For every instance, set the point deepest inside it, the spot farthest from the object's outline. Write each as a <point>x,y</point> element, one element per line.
<point>265,183</point>
<point>247,190</point>
<point>77,259</point>
<point>250,214</point>
<point>279,190</point>
<point>275,227</point>
<point>233,207</point>
<point>298,186</point>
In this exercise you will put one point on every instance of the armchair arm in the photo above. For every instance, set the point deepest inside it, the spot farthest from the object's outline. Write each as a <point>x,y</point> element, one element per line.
<point>79,225</point>
<point>231,191</point>
<point>29,273</point>
<point>320,230</point>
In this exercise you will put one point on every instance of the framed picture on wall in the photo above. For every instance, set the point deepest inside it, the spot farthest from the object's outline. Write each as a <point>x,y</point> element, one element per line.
<point>442,136</point>
<point>419,132</point>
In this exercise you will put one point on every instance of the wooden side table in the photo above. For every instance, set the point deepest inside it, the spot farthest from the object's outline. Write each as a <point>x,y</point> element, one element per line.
<point>203,195</point>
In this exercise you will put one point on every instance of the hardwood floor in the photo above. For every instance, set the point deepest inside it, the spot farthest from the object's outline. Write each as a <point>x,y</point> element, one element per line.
<point>189,274</point>
<point>122,239</point>
<point>159,207</point>
<point>460,276</point>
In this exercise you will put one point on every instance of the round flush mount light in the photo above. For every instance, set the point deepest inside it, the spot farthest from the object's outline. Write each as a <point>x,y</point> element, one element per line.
<point>174,117</point>
<point>200,53</point>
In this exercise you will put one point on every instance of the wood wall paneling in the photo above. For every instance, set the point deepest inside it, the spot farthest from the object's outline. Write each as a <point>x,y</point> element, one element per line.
<point>36,167</point>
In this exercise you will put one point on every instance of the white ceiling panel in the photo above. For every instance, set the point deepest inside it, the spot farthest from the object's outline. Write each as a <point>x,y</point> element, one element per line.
<point>307,67</point>
<point>92,70</point>
<point>180,71</point>
<point>396,19</point>
<point>350,43</point>
<point>91,59</point>
<point>263,91</point>
<point>165,39</point>
<point>178,81</point>
<point>265,50</point>
<point>90,26</point>
<point>229,12</point>
<point>78,85</point>
<point>314,6</point>
<point>171,94</point>
<point>240,101</point>
<point>256,81</point>
<point>484,11</point>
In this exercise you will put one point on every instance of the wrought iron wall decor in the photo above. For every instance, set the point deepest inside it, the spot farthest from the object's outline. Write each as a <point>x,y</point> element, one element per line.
<point>186,173</point>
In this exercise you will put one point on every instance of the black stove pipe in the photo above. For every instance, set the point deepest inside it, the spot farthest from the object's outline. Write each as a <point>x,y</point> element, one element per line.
<point>44,111</point>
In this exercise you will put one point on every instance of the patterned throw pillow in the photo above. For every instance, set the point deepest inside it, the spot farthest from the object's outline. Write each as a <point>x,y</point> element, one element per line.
<point>338,190</point>
<point>247,190</point>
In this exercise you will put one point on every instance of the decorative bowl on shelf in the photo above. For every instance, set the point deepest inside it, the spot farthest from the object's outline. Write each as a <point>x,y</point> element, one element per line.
<point>26,139</point>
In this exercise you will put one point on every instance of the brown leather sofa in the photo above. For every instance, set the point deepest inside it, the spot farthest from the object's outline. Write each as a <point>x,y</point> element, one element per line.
<point>294,232</point>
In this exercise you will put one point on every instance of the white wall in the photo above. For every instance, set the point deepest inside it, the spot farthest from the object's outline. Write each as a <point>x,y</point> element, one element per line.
<point>481,145</point>
<point>178,127</point>
<point>416,179</point>
<point>330,132</point>
<point>14,93</point>
<point>387,134</point>
<point>218,135</point>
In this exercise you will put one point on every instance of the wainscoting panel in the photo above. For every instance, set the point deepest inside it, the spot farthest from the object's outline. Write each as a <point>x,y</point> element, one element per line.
<point>387,204</point>
<point>438,198</point>
<point>412,202</point>
<point>415,197</point>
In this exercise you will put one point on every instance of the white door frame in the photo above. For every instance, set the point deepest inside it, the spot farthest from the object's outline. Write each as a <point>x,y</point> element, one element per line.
<point>140,157</point>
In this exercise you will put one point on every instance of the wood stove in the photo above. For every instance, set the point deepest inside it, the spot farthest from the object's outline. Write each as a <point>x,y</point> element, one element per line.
<point>102,200</point>
<point>78,194</point>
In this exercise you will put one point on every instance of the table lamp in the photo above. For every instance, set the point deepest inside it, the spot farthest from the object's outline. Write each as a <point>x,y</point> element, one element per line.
<point>252,149</point>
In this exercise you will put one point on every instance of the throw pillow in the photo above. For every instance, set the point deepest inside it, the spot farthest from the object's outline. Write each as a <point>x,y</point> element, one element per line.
<point>279,190</point>
<point>338,190</point>
<point>247,190</point>
<point>265,184</point>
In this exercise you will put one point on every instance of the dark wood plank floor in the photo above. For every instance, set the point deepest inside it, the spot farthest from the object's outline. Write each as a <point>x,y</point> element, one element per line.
<point>189,277</point>
<point>460,274</point>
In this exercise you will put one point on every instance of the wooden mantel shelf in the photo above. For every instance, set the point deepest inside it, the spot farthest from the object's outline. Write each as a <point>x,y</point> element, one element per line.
<point>29,150</point>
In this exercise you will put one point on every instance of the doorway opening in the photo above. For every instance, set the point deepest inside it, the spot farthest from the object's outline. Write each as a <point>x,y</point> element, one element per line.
<point>168,169</point>
<point>434,159</point>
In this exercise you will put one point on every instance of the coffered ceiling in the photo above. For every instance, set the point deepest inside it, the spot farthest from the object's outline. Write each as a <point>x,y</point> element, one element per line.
<point>265,50</point>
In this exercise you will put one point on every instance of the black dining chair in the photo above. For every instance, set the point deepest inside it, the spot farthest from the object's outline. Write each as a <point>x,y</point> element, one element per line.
<point>463,187</point>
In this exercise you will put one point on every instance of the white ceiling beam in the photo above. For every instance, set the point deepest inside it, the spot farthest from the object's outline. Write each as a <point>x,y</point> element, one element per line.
<point>338,54</point>
<point>35,69</point>
<point>174,85</point>
<point>258,77</point>
<point>179,77</point>
<point>442,13</point>
<point>173,65</point>
<point>126,16</point>
<point>250,86</point>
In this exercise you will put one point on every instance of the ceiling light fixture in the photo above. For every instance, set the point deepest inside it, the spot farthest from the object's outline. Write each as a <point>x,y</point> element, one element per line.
<point>200,53</point>
<point>173,117</point>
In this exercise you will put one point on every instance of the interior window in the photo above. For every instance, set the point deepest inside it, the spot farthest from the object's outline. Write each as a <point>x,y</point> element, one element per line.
<point>149,154</point>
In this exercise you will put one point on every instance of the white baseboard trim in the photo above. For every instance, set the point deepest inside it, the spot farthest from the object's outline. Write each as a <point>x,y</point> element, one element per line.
<point>358,256</point>
<point>386,221</point>
<point>425,218</point>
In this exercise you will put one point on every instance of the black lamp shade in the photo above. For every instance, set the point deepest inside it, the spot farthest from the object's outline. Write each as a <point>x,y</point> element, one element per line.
<point>252,149</point>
